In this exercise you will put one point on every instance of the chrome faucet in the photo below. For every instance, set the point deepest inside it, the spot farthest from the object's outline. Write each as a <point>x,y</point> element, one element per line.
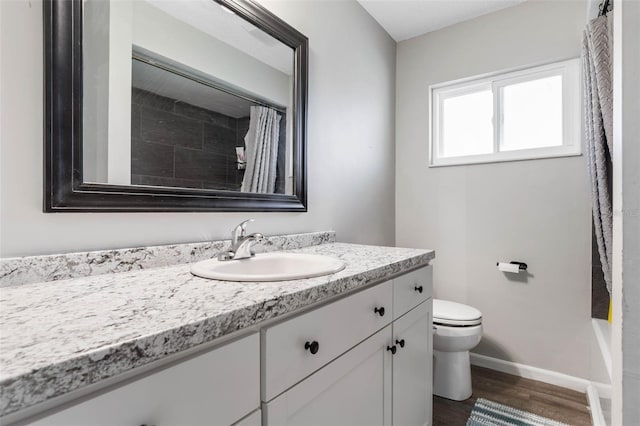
<point>241,244</point>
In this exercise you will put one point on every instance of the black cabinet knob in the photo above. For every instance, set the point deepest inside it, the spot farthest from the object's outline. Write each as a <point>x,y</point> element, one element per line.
<point>379,311</point>
<point>418,289</point>
<point>400,342</point>
<point>393,349</point>
<point>312,347</point>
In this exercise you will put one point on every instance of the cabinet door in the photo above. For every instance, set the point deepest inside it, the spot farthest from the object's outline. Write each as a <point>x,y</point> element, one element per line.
<point>218,387</point>
<point>412,367</point>
<point>352,390</point>
<point>335,328</point>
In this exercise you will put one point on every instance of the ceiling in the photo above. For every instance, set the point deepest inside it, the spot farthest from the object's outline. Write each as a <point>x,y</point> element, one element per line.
<point>164,83</point>
<point>404,19</point>
<point>224,25</point>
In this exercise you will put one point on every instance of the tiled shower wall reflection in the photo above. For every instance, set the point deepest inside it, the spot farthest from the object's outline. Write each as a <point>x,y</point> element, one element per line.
<point>599,293</point>
<point>180,145</point>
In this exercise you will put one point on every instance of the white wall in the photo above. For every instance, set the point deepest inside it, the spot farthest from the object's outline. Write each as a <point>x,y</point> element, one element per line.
<point>96,92</point>
<point>119,150</point>
<point>107,92</point>
<point>350,143</point>
<point>626,214</point>
<point>535,211</point>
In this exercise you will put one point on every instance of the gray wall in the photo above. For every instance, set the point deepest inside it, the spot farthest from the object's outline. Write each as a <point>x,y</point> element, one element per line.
<point>350,144</point>
<point>536,211</point>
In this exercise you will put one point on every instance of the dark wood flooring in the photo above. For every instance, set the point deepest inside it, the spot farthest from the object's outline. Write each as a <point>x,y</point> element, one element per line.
<point>546,400</point>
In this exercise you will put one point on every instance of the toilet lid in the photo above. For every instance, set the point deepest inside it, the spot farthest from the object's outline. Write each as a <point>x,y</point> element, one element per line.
<point>452,313</point>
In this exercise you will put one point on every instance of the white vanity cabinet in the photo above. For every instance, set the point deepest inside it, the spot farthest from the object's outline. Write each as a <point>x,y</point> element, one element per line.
<point>385,379</point>
<point>219,387</point>
<point>364,359</point>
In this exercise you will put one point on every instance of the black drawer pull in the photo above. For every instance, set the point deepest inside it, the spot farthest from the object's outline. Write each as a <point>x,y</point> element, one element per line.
<point>393,349</point>
<point>379,311</point>
<point>400,342</point>
<point>418,289</point>
<point>313,347</point>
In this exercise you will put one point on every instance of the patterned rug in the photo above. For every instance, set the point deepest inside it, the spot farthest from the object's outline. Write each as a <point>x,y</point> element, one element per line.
<point>489,413</point>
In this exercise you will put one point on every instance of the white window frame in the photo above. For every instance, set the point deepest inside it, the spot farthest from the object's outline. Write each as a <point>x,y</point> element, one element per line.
<point>571,104</point>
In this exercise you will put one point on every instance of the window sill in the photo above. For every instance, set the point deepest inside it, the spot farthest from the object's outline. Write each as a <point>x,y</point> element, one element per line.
<point>502,157</point>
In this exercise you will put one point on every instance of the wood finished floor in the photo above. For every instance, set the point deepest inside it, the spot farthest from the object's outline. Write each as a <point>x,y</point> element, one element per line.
<point>546,400</point>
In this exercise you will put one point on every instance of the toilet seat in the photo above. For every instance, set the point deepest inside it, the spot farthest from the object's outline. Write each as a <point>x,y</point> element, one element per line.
<point>452,314</point>
<point>454,323</point>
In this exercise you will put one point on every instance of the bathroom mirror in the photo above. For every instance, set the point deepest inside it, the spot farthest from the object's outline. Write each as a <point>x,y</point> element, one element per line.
<point>173,105</point>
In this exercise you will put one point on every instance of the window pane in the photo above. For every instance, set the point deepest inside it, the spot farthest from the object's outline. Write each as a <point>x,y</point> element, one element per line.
<point>532,114</point>
<point>467,127</point>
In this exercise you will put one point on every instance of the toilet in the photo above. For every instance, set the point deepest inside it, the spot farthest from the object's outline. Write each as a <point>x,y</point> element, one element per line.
<point>457,329</point>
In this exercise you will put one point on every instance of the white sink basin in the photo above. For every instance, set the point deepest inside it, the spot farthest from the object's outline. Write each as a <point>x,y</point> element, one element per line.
<point>268,267</point>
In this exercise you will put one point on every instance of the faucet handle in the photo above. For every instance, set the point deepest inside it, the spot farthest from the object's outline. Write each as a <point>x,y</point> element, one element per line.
<point>239,231</point>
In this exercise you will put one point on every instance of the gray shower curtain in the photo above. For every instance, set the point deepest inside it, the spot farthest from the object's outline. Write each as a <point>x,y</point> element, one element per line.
<point>261,143</point>
<point>598,104</point>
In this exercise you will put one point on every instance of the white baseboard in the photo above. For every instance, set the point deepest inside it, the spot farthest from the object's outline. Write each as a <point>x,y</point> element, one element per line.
<point>529,372</point>
<point>594,390</point>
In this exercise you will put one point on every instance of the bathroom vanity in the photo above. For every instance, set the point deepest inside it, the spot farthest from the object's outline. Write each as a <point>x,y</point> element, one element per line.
<point>373,364</point>
<point>349,348</point>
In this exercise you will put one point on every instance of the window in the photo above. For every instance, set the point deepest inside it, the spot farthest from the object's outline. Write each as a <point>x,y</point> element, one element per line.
<point>526,114</point>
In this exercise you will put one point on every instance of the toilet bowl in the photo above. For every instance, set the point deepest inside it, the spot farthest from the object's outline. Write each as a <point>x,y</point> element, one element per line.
<point>457,330</point>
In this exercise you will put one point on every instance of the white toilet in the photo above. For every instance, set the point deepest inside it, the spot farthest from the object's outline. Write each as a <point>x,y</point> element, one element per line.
<point>457,330</point>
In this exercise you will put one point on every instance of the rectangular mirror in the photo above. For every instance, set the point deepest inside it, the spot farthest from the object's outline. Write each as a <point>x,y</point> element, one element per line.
<point>195,105</point>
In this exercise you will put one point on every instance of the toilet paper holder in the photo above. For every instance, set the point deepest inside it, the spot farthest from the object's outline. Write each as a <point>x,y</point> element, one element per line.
<point>521,265</point>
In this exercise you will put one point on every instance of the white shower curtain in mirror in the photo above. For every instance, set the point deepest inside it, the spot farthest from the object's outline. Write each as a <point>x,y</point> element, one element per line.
<point>261,146</point>
<point>598,104</point>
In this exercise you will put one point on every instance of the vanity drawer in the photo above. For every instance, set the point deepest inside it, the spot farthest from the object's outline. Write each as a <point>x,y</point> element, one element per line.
<point>411,289</point>
<point>335,327</point>
<point>218,387</point>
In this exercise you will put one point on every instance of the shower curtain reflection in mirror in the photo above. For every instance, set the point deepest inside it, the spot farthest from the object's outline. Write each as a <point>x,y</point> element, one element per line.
<point>261,148</point>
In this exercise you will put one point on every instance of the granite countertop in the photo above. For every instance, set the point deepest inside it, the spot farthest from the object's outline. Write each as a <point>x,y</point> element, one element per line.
<point>60,336</point>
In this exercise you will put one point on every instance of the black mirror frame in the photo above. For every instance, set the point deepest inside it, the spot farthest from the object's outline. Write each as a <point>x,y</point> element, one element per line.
<point>64,189</point>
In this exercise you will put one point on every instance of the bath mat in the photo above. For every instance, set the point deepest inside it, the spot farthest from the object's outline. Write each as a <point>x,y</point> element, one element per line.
<point>489,413</point>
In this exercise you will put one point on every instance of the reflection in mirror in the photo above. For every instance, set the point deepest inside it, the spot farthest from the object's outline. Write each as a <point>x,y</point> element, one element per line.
<point>185,94</point>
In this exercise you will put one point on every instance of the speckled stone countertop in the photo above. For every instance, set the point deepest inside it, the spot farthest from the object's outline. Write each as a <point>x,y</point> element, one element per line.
<point>35,269</point>
<point>58,337</point>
